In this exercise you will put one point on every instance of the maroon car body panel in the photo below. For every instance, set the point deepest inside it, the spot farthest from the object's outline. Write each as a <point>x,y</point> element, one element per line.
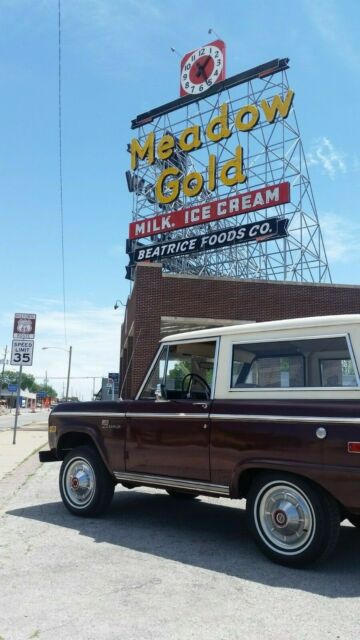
<point>197,441</point>
<point>175,445</point>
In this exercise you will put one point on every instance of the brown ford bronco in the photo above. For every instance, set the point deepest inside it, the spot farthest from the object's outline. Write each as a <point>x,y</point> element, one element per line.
<point>269,412</point>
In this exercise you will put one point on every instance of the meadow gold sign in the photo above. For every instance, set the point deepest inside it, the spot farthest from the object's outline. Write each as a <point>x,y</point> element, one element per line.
<point>171,181</point>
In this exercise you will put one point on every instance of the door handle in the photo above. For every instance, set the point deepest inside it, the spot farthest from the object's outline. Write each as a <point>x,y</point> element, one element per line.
<point>204,405</point>
<point>205,426</point>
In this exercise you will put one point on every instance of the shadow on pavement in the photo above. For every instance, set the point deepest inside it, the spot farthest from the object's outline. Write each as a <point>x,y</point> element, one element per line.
<point>207,535</point>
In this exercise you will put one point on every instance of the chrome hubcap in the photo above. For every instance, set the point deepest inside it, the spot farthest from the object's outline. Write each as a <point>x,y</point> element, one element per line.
<point>285,518</point>
<point>79,482</point>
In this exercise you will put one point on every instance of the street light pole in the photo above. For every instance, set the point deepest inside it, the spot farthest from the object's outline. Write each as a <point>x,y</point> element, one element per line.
<point>69,351</point>
<point>68,375</point>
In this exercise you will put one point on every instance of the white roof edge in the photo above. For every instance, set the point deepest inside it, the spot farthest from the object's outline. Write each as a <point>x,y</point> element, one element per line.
<point>275,325</point>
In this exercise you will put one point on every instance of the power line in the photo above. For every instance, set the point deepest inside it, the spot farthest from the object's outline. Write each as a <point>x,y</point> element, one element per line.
<point>60,176</point>
<point>72,377</point>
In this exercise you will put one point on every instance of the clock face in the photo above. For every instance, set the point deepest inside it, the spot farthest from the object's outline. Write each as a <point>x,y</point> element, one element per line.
<point>202,68</point>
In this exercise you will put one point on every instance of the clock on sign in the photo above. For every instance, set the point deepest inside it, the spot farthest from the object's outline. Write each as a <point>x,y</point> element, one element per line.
<point>202,68</point>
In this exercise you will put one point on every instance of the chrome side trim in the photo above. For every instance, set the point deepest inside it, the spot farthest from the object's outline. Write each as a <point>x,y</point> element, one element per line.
<point>87,414</point>
<point>177,483</point>
<point>169,416</point>
<point>251,417</point>
<point>273,418</point>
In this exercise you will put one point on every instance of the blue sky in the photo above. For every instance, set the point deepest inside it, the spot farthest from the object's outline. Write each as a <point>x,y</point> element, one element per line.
<point>117,63</point>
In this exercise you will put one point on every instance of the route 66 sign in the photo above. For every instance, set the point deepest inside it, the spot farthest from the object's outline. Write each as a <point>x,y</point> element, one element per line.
<point>24,326</point>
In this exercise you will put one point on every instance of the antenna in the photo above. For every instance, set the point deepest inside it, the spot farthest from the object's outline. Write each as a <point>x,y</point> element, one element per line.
<point>213,31</point>
<point>174,51</point>
<point>128,367</point>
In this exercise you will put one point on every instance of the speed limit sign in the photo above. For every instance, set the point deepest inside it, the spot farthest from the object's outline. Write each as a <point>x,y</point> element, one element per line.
<point>22,352</point>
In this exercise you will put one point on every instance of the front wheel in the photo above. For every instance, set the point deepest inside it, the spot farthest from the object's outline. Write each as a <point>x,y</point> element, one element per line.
<point>293,522</point>
<point>86,486</point>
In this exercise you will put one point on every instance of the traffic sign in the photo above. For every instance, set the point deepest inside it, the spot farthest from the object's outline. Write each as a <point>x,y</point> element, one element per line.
<point>12,388</point>
<point>41,394</point>
<point>22,352</point>
<point>24,326</point>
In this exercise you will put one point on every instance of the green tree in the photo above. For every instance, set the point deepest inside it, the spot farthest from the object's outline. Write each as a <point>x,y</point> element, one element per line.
<point>27,382</point>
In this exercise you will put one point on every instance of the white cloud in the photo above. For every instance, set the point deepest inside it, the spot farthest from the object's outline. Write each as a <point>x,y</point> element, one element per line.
<point>340,241</point>
<point>336,28</point>
<point>93,333</point>
<point>324,154</point>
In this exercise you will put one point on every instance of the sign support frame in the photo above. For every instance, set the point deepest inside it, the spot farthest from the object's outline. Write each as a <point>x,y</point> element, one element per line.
<point>17,410</point>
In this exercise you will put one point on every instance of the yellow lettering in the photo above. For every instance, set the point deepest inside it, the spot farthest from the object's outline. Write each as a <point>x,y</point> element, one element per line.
<point>165,147</point>
<point>195,143</point>
<point>220,123</point>
<point>142,152</point>
<point>235,165</point>
<point>193,190</point>
<point>254,114</point>
<point>212,173</point>
<point>172,186</point>
<point>278,105</point>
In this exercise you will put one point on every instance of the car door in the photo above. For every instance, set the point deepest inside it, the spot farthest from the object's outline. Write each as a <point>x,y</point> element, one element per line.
<point>170,435</point>
<point>168,438</point>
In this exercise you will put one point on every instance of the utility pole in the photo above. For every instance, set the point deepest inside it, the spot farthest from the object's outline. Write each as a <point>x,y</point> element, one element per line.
<point>3,369</point>
<point>68,375</point>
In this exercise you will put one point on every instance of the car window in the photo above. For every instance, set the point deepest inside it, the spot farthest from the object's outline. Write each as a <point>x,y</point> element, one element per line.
<point>337,372</point>
<point>156,376</point>
<point>182,371</point>
<point>310,362</point>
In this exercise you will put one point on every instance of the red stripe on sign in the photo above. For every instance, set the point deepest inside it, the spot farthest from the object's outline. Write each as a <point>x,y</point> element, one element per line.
<point>235,205</point>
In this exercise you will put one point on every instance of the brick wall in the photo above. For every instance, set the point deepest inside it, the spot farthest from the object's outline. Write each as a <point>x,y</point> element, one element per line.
<point>156,294</point>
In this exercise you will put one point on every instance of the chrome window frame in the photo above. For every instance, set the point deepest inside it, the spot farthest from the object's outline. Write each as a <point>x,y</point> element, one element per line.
<point>151,369</point>
<point>287,339</point>
<point>174,342</point>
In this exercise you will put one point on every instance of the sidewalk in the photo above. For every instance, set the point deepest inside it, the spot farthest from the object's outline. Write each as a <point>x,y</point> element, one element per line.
<point>28,440</point>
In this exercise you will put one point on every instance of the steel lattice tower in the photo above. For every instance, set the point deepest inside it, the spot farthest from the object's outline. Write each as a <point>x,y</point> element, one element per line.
<point>273,153</point>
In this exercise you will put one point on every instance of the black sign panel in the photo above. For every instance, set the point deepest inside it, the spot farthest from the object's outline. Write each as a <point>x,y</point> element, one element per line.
<point>262,231</point>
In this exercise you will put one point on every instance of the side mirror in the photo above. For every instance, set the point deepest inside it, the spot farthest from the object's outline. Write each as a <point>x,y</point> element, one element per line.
<point>158,392</point>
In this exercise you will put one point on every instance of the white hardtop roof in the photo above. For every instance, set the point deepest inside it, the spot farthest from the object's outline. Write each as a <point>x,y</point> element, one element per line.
<point>340,321</point>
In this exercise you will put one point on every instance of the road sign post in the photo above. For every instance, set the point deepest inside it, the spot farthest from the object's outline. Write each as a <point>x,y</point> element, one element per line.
<point>22,351</point>
<point>17,404</point>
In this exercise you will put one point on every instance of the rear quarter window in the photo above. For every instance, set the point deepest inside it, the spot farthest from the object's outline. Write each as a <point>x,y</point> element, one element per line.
<point>302,362</point>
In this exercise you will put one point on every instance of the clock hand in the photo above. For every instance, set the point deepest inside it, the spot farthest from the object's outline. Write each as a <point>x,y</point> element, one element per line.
<point>201,68</point>
<point>206,61</point>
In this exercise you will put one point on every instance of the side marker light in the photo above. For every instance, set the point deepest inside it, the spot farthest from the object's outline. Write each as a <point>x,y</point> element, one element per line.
<point>353,447</point>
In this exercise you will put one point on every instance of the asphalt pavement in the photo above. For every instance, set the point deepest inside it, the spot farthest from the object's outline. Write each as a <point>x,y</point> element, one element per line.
<point>155,568</point>
<point>26,418</point>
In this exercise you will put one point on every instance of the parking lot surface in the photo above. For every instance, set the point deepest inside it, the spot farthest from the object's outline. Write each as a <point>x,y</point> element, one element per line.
<point>155,568</point>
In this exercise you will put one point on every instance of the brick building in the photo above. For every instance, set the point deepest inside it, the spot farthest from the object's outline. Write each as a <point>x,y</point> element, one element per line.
<point>161,304</point>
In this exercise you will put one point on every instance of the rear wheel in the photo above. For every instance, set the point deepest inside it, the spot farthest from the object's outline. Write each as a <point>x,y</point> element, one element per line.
<point>293,522</point>
<point>86,486</point>
<point>181,495</point>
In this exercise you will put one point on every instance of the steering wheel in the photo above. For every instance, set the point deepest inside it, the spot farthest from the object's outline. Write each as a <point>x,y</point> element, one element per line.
<point>192,377</point>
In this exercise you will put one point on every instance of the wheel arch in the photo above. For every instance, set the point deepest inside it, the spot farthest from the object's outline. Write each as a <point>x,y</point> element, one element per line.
<point>78,438</point>
<point>245,474</point>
